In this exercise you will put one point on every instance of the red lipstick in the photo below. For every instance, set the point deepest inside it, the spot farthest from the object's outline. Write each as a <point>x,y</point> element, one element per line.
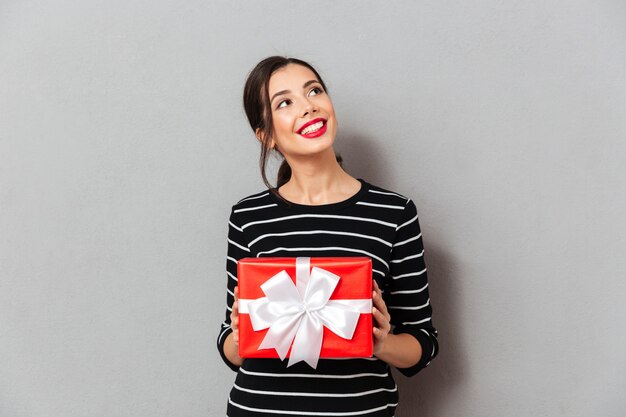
<point>316,133</point>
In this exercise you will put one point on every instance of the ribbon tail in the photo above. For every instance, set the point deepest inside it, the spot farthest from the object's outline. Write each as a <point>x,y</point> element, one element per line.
<point>308,342</point>
<point>281,333</point>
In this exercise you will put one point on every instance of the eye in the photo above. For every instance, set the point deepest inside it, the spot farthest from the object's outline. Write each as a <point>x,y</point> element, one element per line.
<point>317,90</point>
<point>280,103</point>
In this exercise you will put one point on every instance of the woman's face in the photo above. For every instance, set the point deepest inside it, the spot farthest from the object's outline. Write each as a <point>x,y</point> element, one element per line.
<point>302,113</point>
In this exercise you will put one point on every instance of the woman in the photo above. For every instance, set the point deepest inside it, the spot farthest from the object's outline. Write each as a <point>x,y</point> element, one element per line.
<point>317,209</point>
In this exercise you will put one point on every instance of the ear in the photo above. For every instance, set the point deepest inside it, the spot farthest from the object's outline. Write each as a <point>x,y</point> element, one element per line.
<point>259,136</point>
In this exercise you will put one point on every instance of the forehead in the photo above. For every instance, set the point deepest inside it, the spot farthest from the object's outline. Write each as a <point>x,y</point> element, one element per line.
<point>291,77</point>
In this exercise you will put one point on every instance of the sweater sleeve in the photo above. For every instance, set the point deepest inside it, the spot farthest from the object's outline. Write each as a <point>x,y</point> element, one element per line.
<point>406,294</point>
<point>237,249</point>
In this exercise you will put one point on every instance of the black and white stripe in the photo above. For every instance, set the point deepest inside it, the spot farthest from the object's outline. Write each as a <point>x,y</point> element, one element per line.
<point>375,222</point>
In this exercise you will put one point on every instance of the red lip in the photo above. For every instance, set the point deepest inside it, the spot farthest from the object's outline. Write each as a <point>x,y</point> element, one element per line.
<point>310,122</point>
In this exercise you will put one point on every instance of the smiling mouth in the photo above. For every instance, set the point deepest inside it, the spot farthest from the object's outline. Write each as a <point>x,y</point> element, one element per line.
<point>312,128</point>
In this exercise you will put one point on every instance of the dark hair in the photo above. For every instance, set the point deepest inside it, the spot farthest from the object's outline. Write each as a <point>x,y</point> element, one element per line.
<point>256,102</point>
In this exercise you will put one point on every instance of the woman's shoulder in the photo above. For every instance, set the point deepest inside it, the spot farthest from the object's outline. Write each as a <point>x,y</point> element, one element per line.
<point>393,199</point>
<point>386,196</point>
<point>253,200</point>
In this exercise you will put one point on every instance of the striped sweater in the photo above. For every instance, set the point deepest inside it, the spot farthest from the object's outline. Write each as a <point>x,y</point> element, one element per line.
<point>374,222</point>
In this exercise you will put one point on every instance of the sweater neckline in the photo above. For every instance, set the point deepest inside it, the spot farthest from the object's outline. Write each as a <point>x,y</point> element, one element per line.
<point>295,207</point>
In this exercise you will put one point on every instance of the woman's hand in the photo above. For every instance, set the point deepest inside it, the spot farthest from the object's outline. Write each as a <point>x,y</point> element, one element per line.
<point>381,316</point>
<point>234,318</point>
<point>399,350</point>
<point>231,344</point>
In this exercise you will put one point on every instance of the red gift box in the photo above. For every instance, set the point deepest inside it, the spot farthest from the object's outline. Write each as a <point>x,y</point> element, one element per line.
<point>353,279</point>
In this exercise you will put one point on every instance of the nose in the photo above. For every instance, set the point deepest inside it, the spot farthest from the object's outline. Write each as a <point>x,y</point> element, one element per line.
<point>309,107</point>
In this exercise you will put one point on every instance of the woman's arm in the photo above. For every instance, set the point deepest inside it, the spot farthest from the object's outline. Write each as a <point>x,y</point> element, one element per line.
<point>407,300</point>
<point>227,340</point>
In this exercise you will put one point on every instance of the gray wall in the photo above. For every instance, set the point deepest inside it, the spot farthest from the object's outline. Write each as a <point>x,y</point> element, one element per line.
<point>123,145</point>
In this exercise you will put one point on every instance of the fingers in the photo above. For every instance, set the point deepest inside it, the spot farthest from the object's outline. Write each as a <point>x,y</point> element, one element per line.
<point>236,336</point>
<point>380,330</point>
<point>380,314</point>
<point>382,321</point>
<point>234,321</point>
<point>379,334</point>
<point>379,303</point>
<point>234,317</point>
<point>235,306</point>
<point>234,325</point>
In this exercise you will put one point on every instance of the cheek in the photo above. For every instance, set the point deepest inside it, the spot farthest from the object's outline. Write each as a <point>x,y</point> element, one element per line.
<point>282,122</point>
<point>331,113</point>
<point>328,105</point>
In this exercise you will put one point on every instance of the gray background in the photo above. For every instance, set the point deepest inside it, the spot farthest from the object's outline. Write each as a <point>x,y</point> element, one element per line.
<point>123,145</point>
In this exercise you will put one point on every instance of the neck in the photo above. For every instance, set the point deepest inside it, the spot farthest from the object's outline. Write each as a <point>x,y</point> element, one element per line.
<point>317,180</point>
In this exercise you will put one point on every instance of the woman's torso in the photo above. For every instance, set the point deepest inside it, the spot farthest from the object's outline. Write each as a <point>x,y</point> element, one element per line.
<point>363,225</point>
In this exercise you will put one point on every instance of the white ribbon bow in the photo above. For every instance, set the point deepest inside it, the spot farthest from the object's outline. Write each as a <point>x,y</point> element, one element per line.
<point>298,313</point>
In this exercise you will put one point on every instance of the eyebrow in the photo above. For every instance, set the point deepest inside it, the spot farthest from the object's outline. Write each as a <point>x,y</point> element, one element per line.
<point>306,84</point>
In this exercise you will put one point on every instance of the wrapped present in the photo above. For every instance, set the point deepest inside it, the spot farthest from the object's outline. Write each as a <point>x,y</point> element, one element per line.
<point>305,308</point>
